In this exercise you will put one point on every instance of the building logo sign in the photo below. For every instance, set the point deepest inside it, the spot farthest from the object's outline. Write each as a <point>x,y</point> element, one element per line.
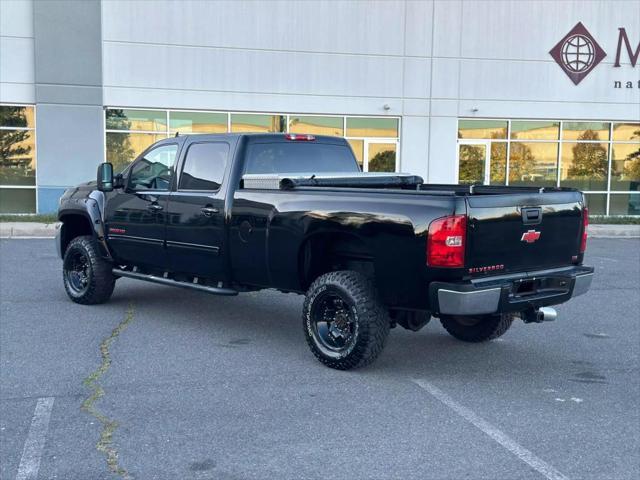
<point>577,53</point>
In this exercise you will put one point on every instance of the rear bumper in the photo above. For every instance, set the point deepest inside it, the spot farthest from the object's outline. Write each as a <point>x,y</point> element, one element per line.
<point>510,293</point>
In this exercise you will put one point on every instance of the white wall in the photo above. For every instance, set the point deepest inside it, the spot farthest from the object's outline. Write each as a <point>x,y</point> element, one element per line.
<point>351,54</point>
<point>348,57</point>
<point>430,61</point>
<point>493,56</point>
<point>17,78</point>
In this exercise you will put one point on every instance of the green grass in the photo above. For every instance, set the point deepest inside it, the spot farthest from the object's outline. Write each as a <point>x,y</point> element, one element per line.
<point>48,218</point>
<point>601,219</point>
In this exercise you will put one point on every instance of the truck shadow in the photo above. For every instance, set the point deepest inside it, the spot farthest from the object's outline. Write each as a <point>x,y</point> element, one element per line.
<point>269,324</point>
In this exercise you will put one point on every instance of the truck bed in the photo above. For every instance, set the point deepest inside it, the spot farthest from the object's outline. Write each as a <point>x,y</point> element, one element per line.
<point>384,181</point>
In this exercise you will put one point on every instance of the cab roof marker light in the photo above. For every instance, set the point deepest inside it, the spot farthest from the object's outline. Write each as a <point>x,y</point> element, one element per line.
<point>298,137</point>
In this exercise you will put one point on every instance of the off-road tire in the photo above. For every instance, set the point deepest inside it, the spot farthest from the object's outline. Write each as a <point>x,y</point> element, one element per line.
<point>369,314</point>
<point>488,327</point>
<point>100,280</point>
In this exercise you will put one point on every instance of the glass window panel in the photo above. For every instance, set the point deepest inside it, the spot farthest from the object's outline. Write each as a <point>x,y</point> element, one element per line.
<point>482,129</point>
<point>626,132</point>
<point>624,204</point>
<point>584,165</point>
<point>358,150</point>
<point>625,167</point>
<point>533,130</point>
<point>533,164</point>
<point>155,170</point>
<point>128,119</point>
<point>382,157</point>
<point>12,116</point>
<point>498,163</point>
<point>316,125</point>
<point>585,131</point>
<point>372,127</point>
<point>204,166</point>
<point>597,203</point>
<point>299,157</point>
<point>471,163</point>
<point>123,148</point>
<point>17,157</point>
<point>197,122</point>
<point>241,122</point>
<point>17,200</point>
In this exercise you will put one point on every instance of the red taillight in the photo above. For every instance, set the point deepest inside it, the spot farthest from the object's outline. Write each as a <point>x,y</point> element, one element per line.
<point>445,243</point>
<point>585,226</point>
<point>299,137</point>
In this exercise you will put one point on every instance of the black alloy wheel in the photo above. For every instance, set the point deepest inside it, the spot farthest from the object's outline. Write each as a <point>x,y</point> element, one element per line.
<point>77,271</point>
<point>333,323</point>
<point>87,275</point>
<point>344,322</point>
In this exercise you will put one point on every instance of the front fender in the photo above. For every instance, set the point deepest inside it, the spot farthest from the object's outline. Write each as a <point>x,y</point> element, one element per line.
<point>91,207</point>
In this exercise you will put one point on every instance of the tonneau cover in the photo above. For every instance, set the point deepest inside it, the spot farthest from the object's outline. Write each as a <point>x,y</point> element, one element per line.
<point>288,181</point>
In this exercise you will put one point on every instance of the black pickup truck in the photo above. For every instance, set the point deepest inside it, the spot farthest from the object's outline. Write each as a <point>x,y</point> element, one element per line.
<point>232,213</point>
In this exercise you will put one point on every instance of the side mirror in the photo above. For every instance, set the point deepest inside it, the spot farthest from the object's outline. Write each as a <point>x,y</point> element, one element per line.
<point>105,177</point>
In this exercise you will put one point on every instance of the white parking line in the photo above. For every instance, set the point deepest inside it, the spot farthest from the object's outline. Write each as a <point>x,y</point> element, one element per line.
<point>502,438</point>
<point>34,445</point>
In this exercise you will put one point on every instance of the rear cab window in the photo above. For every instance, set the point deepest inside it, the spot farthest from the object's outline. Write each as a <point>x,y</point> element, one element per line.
<point>299,157</point>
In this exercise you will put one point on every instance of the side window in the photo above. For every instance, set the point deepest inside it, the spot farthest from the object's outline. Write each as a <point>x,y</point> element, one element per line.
<point>204,166</point>
<point>155,170</point>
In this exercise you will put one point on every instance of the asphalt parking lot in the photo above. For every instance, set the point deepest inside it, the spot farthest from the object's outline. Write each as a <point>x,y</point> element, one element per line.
<point>163,383</point>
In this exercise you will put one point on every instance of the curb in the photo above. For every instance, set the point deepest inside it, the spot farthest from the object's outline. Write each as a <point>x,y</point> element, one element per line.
<point>28,230</point>
<point>48,230</point>
<point>614,231</point>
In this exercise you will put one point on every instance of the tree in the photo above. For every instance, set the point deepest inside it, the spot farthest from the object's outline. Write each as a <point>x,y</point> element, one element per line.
<point>119,150</point>
<point>472,160</point>
<point>471,167</point>
<point>498,166</point>
<point>589,159</point>
<point>384,161</point>
<point>522,162</point>
<point>13,152</point>
<point>632,164</point>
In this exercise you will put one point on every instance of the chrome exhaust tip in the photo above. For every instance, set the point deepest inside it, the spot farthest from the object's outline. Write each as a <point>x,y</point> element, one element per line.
<point>547,314</point>
<point>542,314</point>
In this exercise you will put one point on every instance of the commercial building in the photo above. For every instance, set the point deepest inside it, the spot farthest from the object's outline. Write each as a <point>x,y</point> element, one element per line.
<point>502,92</point>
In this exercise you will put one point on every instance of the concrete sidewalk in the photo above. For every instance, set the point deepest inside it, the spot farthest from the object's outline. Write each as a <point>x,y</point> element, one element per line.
<point>48,230</point>
<point>27,230</point>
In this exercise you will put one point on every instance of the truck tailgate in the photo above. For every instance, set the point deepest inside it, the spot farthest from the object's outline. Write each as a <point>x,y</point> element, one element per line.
<point>523,231</point>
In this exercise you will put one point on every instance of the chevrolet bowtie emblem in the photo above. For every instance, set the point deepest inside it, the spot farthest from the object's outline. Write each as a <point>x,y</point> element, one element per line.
<point>530,236</point>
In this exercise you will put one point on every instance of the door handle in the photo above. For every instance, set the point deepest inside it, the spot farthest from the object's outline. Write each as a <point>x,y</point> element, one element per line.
<point>208,211</point>
<point>154,207</point>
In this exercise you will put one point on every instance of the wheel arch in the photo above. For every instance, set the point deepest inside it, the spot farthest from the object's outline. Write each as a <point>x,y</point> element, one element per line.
<point>327,251</point>
<point>74,223</point>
